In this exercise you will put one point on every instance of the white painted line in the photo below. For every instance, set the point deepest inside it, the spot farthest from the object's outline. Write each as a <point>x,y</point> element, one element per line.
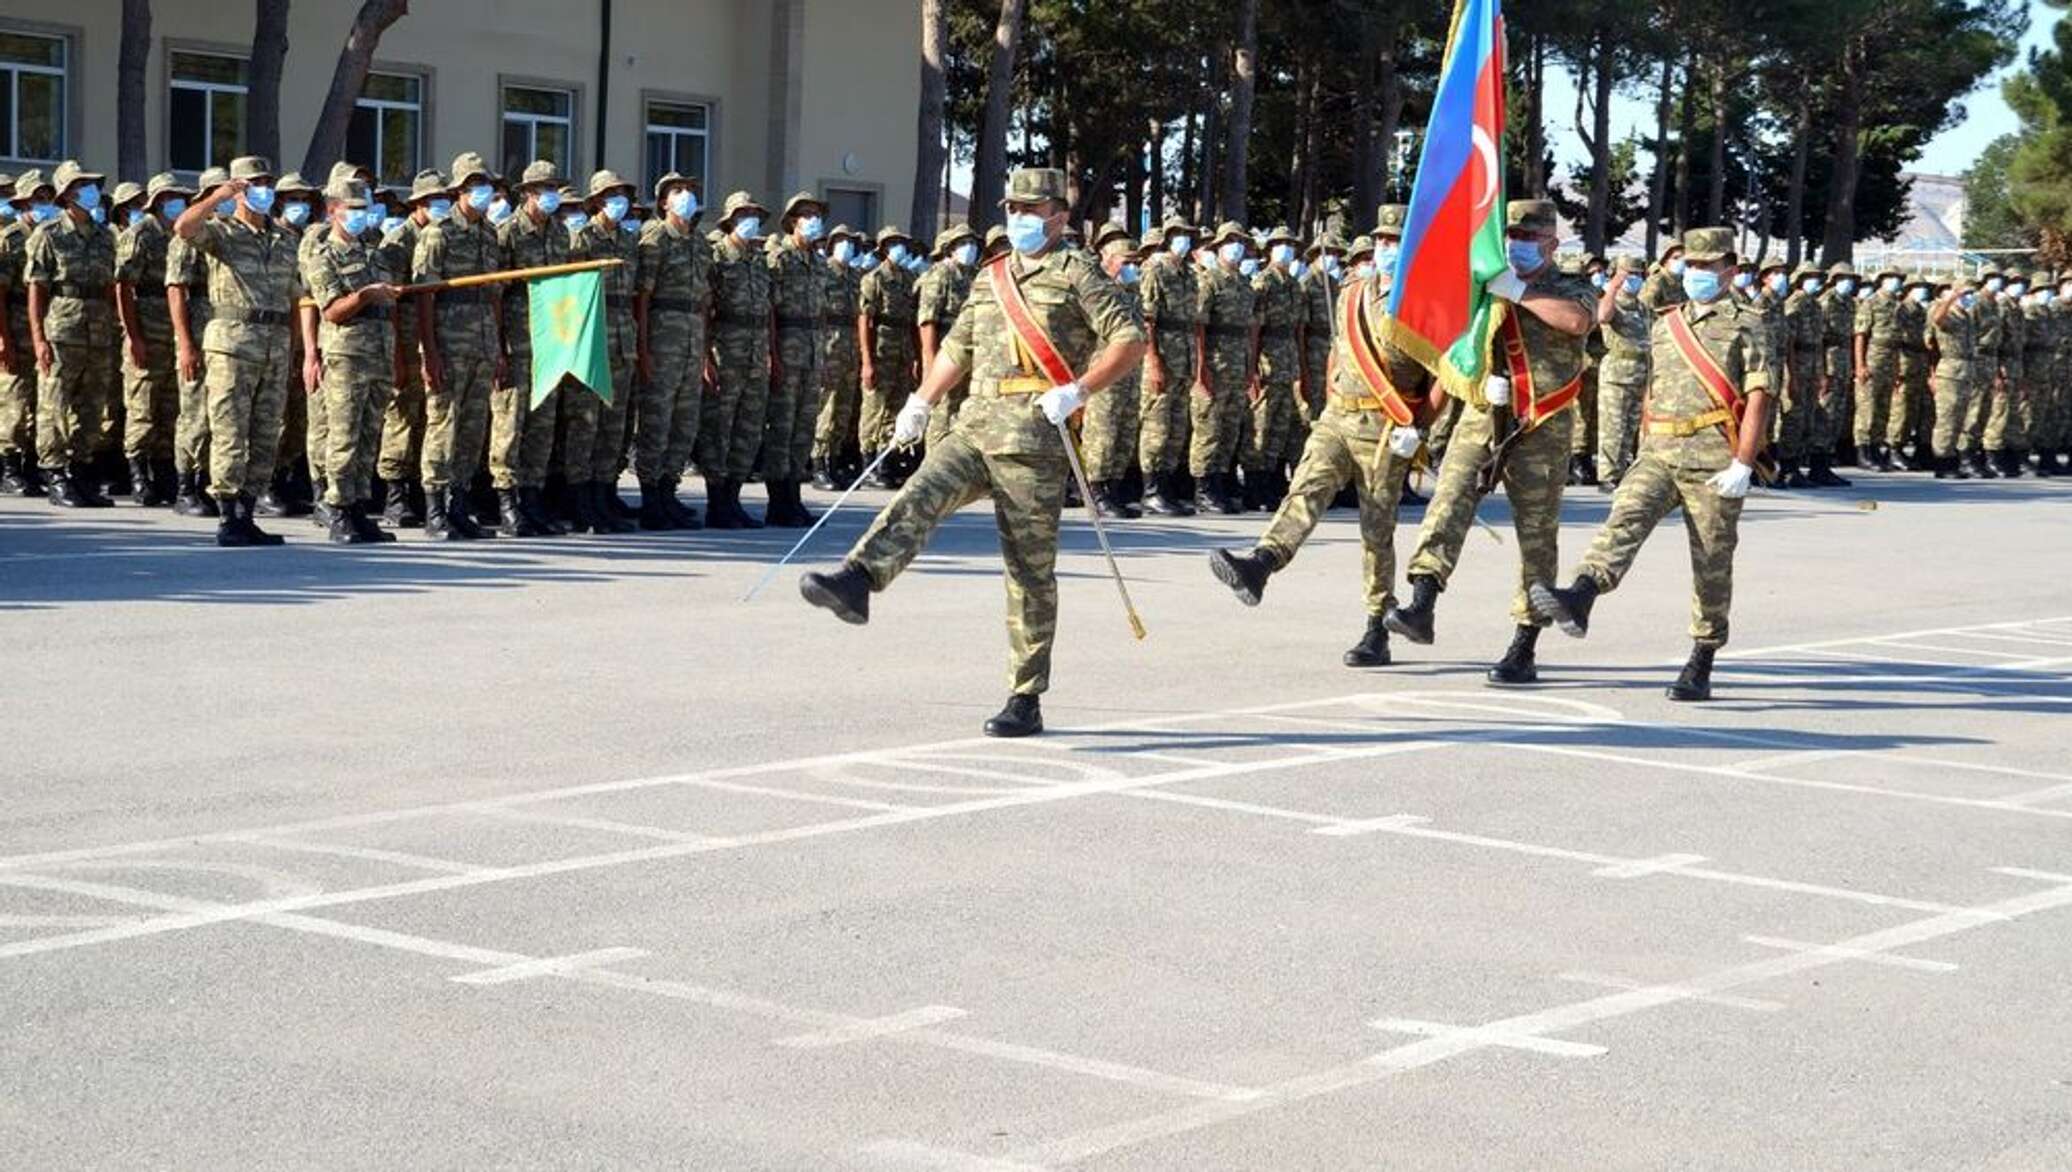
<point>551,966</point>
<point>2026,873</point>
<point>603,825</point>
<point>1795,757</point>
<point>369,854</point>
<point>1136,1076</point>
<point>1640,867</point>
<point>1755,1004</point>
<point>1214,803</point>
<point>1488,1036</point>
<point>771,791</point>
<point>1914,645</point>
<point>15,921</point>
<point>2033,797</point>
<point>1841,952</point>
<point>899,1153</point>
<point>2044,640</point>
<point>1346,829</point>
<point>1930,632</point>
<point>876,1027</point>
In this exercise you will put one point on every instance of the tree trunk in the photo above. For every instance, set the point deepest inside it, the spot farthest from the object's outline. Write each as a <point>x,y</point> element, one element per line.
<point>1838,242</point>
<point>1368,161</point>
<point>1244,78</point>
<point>132,155</point>
<point>1133,205</point>
<point>1154,161</point>
<point>989,179</point>
<point>1681,208</point>
<point>929,149</point>
<point>1716,202</point>
<point>1211,135</point>
<point>327,141</point>
<point>1389,90</point>
<point>1596,225</point>
<point>1658,189</point>
<point>1535,177</point>
<point>1298,146</point>
<point>1190,206</point>
<point>1795,194</point>
<point>263,105</point>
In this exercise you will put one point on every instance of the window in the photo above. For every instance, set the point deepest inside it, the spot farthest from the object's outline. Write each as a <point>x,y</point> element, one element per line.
<point>679,138</point>
<point>854,206</point>
<point>538,124</point>
<point>32,97</point>
<point>207,111</point>
<point>386,134</point>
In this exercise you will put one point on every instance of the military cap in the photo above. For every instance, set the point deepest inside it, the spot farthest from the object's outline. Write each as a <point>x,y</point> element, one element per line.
<point>124,192</point>
<point>392,199</point>
<point>165,183</point>
<point>1805,270</point>
<point>1841,268</point>
<point>1151,241</point>
<point>1775,265</point>
<point>1885,271</point>
<point>292,183</point>
<point>602,182</point>
<point>675,179</point>
<point>1920,280</point>
<point>738,203</point>
<point>888,234</point>
<point>342,171</point>
<point>213,177</point>
<point>27,184</point>
<point>1389,219</point>
<point>1362,246</point>
<point>1629,264</point>
<point>1034,185</point>
<point>571,197</point>
<point>1230,230</point>
<point>1329,241</point>
<point>843,232</point>
<point>952,236</point>
<point>1708,245</point>
<point>1175,226</point>
<point>1569,265</point>
<point>252,167</point>
<point>996,240</point>
<point>1531,215</point>
<point>1111,232</point>
<point>2038,279</point>
<point>541,173</point>
<point>428,183</point>
<point>469,165</point>
<point>1281,235</point>
<point>800,202</point>
<point>348,193</point>
<point>70,172</point>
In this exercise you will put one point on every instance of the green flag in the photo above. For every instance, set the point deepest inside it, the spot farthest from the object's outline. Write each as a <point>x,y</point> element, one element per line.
<point>567,315</point>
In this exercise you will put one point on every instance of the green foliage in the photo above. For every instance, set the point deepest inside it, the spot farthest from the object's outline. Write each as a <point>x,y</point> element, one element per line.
<point>1990,217</point>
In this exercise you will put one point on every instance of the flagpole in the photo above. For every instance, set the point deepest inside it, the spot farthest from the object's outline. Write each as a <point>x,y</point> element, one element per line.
<point>537,272</point>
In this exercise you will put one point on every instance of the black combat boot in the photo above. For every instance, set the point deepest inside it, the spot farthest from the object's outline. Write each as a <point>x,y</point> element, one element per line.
<point>1023,717</point>
<point>274,501</point>
<point>1980,469</point>
<point>582,507</point>
<point>605,505</point>
<point>143,488</point>
<point>653,517</point>
<point>402,511</point>
<point>824,475</point>
<point>322,514</point>
<point>112,476</point>
<point>164,478</point>
<point>187,499</point>
<point>438,521</point>
<point>460,513</point>
<point>1414,622</point>
<point>684,515</point>
<point>2013,462</point>
<point>1695,682</point>
<point>87,483</point>
<point>342,531</point>
<point>1582,470</point>
<point>1164,497</point>
<point>254,535</point>
<point>721,508</point>
<point>846,592</point>
<point>62,488</point>
<point>518,520</point>
<point>1791,477</point>
<point>1569,608</point>
<point>1518,666</point>
<point>1823,475</point>
<point>230,534</point>
<point>11,478</point>
<point>2046,463</point>
<point>1884,460</point>
<point>1373,648</point>
<point>532,502</point>
<point>1244,573</point>
<point>796,514</point>
<point>362,519</point>
<point>1251,493</point>
<point>1108,499</point>
<point>1232,502</point>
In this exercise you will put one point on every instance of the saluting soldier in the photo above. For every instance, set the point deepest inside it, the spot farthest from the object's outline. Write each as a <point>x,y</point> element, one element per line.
<point>939,296</point>
<point>796,288</point>
<point>841,396</point>
<point>1953,325</point>
<point>1624,325</point>
<point>1172,322</point>
<point>521,435</point>
<point>70,274</point>
<point>1108,430</point>
<point>1664,286</point>
<point>461,334</point>
<point>1537,357</point>
<point>673,309</point>
<point>1283,314</point>
<point>1876,362</point>
<point>150,384</point>
<point>1706,428</point>
<point>886,318</point>
<point>28,200</point>
<point>2005,433</point>
<point>1226,375</point>
<point>730,435</point>
<point>1036,319</point>
<point>346,270</point>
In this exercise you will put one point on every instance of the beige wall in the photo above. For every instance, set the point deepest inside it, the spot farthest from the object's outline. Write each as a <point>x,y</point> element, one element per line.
<point>858,90</point>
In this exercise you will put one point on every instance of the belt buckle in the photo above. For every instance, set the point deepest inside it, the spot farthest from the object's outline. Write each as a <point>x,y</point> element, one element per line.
<point>1024,385</point>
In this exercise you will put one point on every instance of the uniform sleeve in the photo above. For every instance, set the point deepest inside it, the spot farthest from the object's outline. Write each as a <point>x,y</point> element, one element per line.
<point>957,344</point>
<point>1154,288</point>
<point>40,266</point>
<point>871,299</point>
<point>209,241</point>
<point>931,301</point>
<point>650,258</point>
<point>129,260</point>
<point>1204,299</point>
<point>428,262</point>
<point>322,278</point>
<point>1755,362</point>
<point>1108,310</point>
<point>1861,318</point>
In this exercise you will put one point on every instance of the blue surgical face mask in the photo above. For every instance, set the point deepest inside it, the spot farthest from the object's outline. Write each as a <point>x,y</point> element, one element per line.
<point>43,213</point>
<point>1632,284</point>
<point>616,207</point>
<point>867,261</point>
<point>1248,267</point>
<point>1332,265</point>
<point>1994,284</point>
<point>1597,280</point>
<point>98,214</point>
<point>811,228</point>
<point>1889,285</point>
<point>296,214</point>
<point>2045,297</point>
<point>1385,259</point>
<point>1027,232</point>
<point>133,217</point>
<point>1525,256</point>
<point>574,220</point>
<point>1968,300</point>
<point>1676,267</point>
<point>1281,253</point>
<point>1128,274</point>
<point>1700,284</point>
<point>172,208</point>
<point>917,264</point>
<point>896,253</point>
<point>629,225</point>
<point>1299,269</point>
<point>479,196</point>
<point>227,207</point>
<point>259,199</point>
<point>390,224</point>
<point>1776,284</point>
<point>1917,294</point>
<point>354,221</point>
<point>1180,245</point>
<point>1232,252</point>
<point>499,211</point>
<point>88,196</point>
<point>1845,286</point>
<point>2017,289</point>
<point>844,251</point>
<point>966,254</point>
<point>549,202</point>
<point>439,209</point>
<point>1743,279</point>
<point>1363,270</point>
<point>7,212</point>
<point>749,227</point>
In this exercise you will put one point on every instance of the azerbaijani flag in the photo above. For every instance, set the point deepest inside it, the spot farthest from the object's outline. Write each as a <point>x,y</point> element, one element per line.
<point>1454,239</point>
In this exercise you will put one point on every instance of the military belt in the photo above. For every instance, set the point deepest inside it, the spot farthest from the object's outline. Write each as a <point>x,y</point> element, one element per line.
<point>1276,331</point>
<point>1228,330</point>
<point>741,319</point>
<point>256,317</point>
<point>791,322</point>
<point>463,296</point>
<point>82,290</point>
<point>617,301</point>
<point>1685,428</point>
<point>673,304</point>
<point>1355,402</point>
<point>885,319</point>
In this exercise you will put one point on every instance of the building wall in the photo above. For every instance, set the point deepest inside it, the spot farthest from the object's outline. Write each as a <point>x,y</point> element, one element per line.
<point>853,63</point>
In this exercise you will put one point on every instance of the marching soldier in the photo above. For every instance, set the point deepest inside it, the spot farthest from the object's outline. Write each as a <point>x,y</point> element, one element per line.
<point>673,311</point>
<point>1226,374</point>
<point>796,289</point>
<point>401,458</point>
<point>1519,436</point>
<point>69,271</point>
<point>841,397</point>
<point>1622,382</point>
<point>939,296</point>
<point>730,434</point>
<point>1706,427</point>
<point>150,384</point>
<point>1172,321</point>
<point>1037,318</point>
<point>886,344</point>
<point>595,474</point>
<point>18,470</point>
<point>461,334</point>
<point>1283,312</point>
<point>1831,418</point>
<point>348,276</point>
<point>521,435</point>
<point>1109,431</point>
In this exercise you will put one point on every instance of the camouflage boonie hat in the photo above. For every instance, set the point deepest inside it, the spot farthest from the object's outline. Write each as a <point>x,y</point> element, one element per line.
<point>1805,270</point>
<point>888,234</point>
<point>1328,242</point>
<point>469,165</point>
<point>1362,246</point>
<point>348,193</point>
<point>1917,281</point>
<point>252,167</point>
<point>1151,241</point>
<point>737,203</point>
<point>1035,185</point>
<point>393,200</point>
<point>541,173</point>
<point>1230,230</point>
<point>428,183</point>
<point>1775,265</point>
<point>212,177</point>
<point>1109,233</point>
<point>1389,219</point>
<point>1175,226</point>
<point>1708,245</point>
<point>800,202</point>
<point>292,183</point>
<point>342,171</point>
<point>1670,251</point>
<point>165,183</point>
<point>1841,268</point>
<point>571,198</point>
<point>1281,235</point>
<point>70,172</point>
<point>124,192</point>
<point>603,182</point>
<point>950,237</point>
<point>1630,264</point>
<point>843,232</point>
<point>1532,215</point>
<point>996,240</point>
<point>676,179</point>
<point>27,184</point>
<point>2038,279</point>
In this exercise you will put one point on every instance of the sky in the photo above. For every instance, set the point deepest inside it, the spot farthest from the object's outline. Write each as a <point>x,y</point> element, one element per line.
<point>1949,153</point>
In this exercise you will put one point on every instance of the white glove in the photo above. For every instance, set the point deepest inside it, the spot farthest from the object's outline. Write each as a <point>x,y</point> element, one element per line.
<point>1403,442</point>
<point>1733,483</point>
<point>912,423</point>
<point>1498,391</point>
<point>1507,285</point>
<point>1059,402</point>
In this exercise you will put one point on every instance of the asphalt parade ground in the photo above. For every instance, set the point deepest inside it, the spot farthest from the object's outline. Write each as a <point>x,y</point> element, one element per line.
<point>555,854</point>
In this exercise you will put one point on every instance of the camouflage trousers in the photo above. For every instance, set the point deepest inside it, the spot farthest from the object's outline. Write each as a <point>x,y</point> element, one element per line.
<point>456,421</point>
<point>2008,424</point>
<point>794,404</point>
<point>1533,477</point>
<point>1912,406</point>
<point>1218,419</point>
<point>1345,447</point>
<point>151,397</point>
<point>1653,487</point>
<point>604,424</point>
<point>1878,389</point>
<point>1985,391</point>
<point>1028,494</point>
<point>247,398</point>
<point>18,401</point>
<point>507,422</point>
<point>731,422</point>
<point>841,401</point>
<point>1797,408</point>
<point>892,381</point>
<point>1164,425</point>
<point>943,416</point>
<point>1831,413</point>
<point>667,414</point>
<point>1270,441</point>
<point>191,427</point>
<point>1439,436</point>
<point>564,421</point>
<point>296,439</point>
<point>354,394</point>
<point>72,404</point>
<point>1952,404</point>
<point>402,432</point>
<point>2053,407</point>
<point>1108,438</point>
<point>1618,424</point>
<point>1582,439</point>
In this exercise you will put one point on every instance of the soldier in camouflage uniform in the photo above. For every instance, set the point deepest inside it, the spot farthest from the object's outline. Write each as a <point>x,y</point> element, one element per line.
<point>796,297</point>
<point>939,296</point>
<point>403,425</point>
<point>250,372</point>
<point>1172,317</point>
<point>1548,317</point>
<point>1832,409</point>
<point>1913,405</point>
<point>673,309</point>
<point>1876,362</point>
<point>18,470</point>
<point>2039,343</point>
<point>841,395</point>
<point>1227,373</point>
<point>608,205</point>
<point>2006,433</point>
<point>2054,435</point>
<point>1953,323</point>
<point>1582,440</point>
<point>1320,286</point>
<point>1366,437</point>
<point>461,334</point>
<point>1985,371</point>
<point>886,309</point>
<point>187,303</point>
<point>730,433</point>
<point>1697,455</point>
<point>1622,382</point>
<point>1805,373</point>
<point>348,277</point>
<point>1109,434</point>
<point>1282,311</point>
<point>68,270</point>
<point>292,491</point>
<point>1664,286</point>
<point>1006,444</point>
<point>521,434</point>
<point>150,385</point>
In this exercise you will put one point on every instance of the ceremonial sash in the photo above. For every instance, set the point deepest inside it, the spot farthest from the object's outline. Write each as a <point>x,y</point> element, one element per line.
<point>1710,376</point>
<point>1538,408</point>
<point>1034,340</point>
<point>1359,337</point>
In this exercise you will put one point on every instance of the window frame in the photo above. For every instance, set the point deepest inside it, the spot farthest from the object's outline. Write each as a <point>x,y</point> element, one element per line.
<point>70,123</point>
<point>714,119</point>
<point>576,101</point>
<point>424,76</point>
<point>240,53</point>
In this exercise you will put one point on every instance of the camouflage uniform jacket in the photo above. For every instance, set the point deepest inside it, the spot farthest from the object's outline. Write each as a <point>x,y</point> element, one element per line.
<point>1805,324</point>
<point>1878,320</point>
<point>796,289</point>
<point>523,244</point>
<point>1320,294</point>
<point>1733,335</point>
<point>14,250</point>
<point>1956,340</point>
<point>1910,325</point>
<point>1838,319</point>
<point>251,271</point>
<point>1991,334</point>
<point>76,260</point>
<point>940,295</point>
<point>740,297</point>
<point>1281,308</point>
<point>1775,330</point>
<point>1555,358</point>
<point>602,240</point>
<point>1229,310</point>
<point>397,249</point>
<point>140,251</point>
<point>1081,309</point>
<point>887,294</point>
<point>676,275</point>
<point>840,285</point>
<point>2014,336</point>
<point>1661,290</point>
<point>1172,307</point>
<point>1626,340</point>
<point>465,318</point>
<point>333,269</point>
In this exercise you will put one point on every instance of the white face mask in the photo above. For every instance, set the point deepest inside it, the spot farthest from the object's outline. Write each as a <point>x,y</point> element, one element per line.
<point>843,251</point>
